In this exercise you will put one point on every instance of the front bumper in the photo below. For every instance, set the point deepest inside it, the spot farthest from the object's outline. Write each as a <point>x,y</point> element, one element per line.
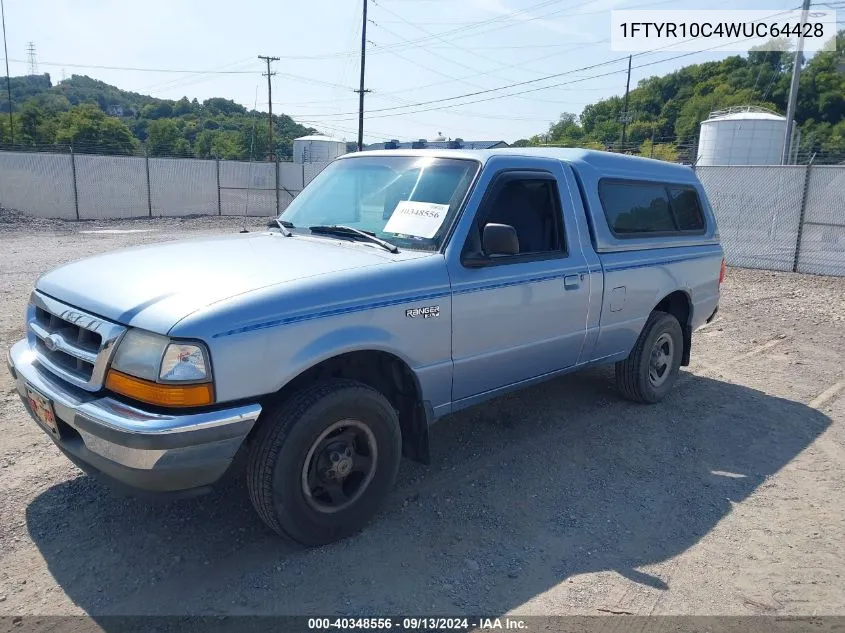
<point>160,452</point>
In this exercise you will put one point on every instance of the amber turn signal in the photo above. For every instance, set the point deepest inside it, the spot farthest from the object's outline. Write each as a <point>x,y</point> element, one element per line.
<point>193,395</point>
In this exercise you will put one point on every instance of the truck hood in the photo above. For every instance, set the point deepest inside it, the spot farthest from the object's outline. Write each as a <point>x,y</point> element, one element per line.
<point>153,287</point>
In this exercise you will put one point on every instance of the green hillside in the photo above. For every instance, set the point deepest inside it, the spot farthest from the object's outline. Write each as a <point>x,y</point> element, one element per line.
<point>669,108</point>
<point>96,117</point>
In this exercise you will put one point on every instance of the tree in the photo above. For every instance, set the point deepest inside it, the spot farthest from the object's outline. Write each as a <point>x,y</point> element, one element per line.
<point>523,142</point>
<point>162,135</point>
<point>34,128</point>
<point>660,151</point>
<point>566,132</point>
<point>253,141</point>
<point>217,144</point>
<point>217,105</point>
<point>182,148</point>
<point>87,128</point>
<point>182,107</point>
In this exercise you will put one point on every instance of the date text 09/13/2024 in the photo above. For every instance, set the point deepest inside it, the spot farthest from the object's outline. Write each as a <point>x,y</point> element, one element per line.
<point>417,623</point>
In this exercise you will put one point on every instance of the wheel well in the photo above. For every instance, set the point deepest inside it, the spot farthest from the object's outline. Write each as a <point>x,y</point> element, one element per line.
<point>678,305</point>
<point>389,375</point>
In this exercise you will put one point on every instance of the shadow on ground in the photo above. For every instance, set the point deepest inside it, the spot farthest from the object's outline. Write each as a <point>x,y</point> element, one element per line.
<point>524,493</point>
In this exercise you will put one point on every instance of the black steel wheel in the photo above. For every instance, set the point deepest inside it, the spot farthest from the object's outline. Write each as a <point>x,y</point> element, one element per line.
<point>339,466</point>
<point>322,462</point>
<point>652,367</point>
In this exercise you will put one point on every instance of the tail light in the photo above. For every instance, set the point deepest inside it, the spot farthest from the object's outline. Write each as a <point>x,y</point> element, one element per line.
<point>722,271</point>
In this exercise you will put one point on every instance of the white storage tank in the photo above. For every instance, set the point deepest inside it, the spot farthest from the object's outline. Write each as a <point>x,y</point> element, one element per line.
<point>317,149</point>
<point>744,135</point>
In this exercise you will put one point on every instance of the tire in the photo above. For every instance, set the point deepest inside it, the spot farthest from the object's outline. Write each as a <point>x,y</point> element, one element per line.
<point>637,378</point>
<point>291,437</point>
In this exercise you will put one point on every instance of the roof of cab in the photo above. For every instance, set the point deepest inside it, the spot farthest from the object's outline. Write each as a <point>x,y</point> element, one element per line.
<point>608,163</point>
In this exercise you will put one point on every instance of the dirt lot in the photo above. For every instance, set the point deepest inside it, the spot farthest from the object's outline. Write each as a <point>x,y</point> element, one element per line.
<point>727,498</point>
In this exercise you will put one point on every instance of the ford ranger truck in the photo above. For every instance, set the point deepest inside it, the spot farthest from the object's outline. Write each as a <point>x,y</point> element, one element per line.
<point>399,287</point>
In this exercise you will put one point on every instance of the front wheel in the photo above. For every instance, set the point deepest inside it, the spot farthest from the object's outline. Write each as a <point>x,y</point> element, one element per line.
<point>652,367</point>
<point>323,461</point>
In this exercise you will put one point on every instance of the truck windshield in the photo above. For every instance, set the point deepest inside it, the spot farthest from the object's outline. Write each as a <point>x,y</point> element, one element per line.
<point>407,200</point>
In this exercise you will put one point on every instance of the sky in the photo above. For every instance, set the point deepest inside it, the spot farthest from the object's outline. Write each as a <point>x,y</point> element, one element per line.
<point>424,52</point>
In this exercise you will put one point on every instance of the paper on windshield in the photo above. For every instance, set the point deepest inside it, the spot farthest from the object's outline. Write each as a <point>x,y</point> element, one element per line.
<point>420,219</point>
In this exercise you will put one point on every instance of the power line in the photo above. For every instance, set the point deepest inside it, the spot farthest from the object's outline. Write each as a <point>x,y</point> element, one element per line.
<point>442,39</point>
<point>580,79</point>
<point>547,77</point>
<point>391,49</point>
<point>143,70</point>
<point>463,30</point>
<point>240,64</point>
<point>489,90</point>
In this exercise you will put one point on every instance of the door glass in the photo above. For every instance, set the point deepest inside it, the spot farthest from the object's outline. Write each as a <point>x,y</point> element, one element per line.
<point>531,206</point>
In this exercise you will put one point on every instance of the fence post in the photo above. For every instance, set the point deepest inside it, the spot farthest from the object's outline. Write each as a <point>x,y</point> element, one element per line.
<point>801,214</point>
<point>73,176</point>
<point>149,193</point>
<point>278,208</point>
<point>219,204</point>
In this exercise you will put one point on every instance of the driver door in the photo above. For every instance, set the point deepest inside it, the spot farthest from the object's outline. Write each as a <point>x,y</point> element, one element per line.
<point>524,315</point>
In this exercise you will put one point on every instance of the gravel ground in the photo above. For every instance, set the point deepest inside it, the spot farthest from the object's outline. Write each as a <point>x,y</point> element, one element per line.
<point>727,498</point>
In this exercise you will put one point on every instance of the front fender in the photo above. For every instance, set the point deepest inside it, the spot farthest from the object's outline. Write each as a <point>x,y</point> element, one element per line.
<point>339,342</point>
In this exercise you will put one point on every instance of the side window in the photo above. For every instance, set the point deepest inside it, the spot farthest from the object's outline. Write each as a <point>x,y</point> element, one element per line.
<point>531,206</point>
<point>687,208</point>
<point>633,208</point>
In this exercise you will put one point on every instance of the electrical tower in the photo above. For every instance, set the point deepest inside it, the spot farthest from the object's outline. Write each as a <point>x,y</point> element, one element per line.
<point>33,62</point>
<point>271,154</point>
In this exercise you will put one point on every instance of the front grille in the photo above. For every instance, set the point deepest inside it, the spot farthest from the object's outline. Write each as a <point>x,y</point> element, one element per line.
<point>74,345</point>
<point>74,348</point>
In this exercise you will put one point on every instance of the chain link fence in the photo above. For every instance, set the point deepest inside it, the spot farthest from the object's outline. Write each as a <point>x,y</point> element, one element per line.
<point>96,187</point>
<point>789,218</point>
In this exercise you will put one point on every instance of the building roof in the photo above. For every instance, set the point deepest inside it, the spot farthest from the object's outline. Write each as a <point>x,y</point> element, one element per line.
<point>454,144</point>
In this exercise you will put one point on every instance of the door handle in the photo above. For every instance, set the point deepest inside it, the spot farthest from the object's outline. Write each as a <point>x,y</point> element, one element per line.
<point>572,282</point>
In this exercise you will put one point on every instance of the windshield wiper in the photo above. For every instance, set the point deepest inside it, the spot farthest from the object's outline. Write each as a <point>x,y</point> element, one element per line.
<point>283,225</point>
<point>340,229</point>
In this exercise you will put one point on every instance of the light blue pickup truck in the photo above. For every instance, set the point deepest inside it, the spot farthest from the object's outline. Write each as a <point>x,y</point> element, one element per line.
<point>397,288</point>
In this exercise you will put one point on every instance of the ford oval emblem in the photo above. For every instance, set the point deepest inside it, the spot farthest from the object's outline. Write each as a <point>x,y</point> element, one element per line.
<point>51,342</point>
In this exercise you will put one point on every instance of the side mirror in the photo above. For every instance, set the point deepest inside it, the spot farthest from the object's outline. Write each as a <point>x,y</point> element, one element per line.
<point>499,239</point>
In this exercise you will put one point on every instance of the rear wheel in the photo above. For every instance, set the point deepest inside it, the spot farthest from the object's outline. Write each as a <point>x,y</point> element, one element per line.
<point>323,461</point>
<point>652,367</point>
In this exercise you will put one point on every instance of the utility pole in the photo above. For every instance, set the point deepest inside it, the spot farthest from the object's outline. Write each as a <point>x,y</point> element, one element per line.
<point>8,84</point>
<point>270,153</point>
<point>625,116</point>
<point>361,90</point>
<point>793,87</point>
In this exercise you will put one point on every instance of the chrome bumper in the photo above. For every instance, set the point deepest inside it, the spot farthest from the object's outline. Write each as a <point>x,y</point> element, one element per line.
<point>140,449</point>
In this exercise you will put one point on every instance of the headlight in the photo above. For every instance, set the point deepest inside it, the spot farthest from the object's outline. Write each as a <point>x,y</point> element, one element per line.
<point>183,362</point>
<point>151,368</point>
<point>139,354</point>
